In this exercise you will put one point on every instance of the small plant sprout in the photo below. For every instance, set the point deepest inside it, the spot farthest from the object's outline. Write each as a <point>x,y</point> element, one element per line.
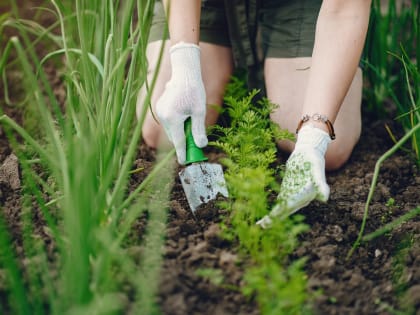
<point>278,284</point>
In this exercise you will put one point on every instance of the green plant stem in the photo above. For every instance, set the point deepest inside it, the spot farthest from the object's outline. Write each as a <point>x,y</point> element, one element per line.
<point>392,225</point>
<point>9,261</point>
<point>32,142</point>
<point>378,164</point>
<point>86,153</point>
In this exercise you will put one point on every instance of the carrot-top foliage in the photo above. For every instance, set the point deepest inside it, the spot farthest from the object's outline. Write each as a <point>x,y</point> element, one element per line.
<point>278,283</point>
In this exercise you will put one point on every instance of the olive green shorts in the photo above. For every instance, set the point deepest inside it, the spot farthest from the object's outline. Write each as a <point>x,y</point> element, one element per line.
<point>286,27</point>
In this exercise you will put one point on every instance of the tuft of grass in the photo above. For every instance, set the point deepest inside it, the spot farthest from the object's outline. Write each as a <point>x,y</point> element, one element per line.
<point>410,134</point>
<point>401,278</point>
<point>76,170</point>
<point>391,63</point>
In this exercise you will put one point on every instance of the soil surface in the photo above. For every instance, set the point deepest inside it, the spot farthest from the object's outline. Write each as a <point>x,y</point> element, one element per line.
<point>382,275</point>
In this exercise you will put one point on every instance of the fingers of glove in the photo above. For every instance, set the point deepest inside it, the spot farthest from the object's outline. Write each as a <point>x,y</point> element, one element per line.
<point>318,174</point>
<point>303,182</point>
<point>178,139</point>
<point>298,187</point>
<point>168,115</point>
<point>294,196</point>
<point>323,193</point>
<point>299,198</point>
<point>166,127</point>
<point>278,209</point>
<point>168,133</point>
<point>265,222</point>
<point>309,167</point>
<point>323,190</point>
<point>198,129</point>
<point>286,207</point>
<point>163,113</point>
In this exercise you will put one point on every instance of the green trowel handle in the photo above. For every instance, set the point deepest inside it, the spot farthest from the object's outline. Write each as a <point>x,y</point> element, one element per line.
<point>193,153</point>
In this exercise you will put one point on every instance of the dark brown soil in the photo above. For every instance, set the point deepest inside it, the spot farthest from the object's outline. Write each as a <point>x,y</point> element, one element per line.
<point>381,277</point>
<point>370,282</point>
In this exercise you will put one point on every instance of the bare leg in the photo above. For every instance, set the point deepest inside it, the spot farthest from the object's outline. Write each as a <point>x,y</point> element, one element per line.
<point>217,68</point>
<point>286,82</point>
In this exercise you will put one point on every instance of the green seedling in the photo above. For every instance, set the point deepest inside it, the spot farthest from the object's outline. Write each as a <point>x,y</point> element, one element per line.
<point>390,203</point>
<point>215,276</point>
<point>279,286</point>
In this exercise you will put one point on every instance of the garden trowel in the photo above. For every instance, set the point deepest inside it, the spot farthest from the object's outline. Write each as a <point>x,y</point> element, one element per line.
<point>202,181</point>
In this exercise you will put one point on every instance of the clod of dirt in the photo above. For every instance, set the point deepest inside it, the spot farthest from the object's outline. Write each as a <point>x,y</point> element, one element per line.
<point>180,211</point>
<point>210,210</point>
<point>412,296</point>
<point>179,304</point>
<point>213,235</point>
<point>9,172</point>
<point>227,258</point>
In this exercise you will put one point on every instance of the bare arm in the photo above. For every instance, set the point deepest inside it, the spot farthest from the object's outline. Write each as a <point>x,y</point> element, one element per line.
<point>339,39</point>
<point>184,94</point>
<point>340,35</point>
<point>184,20</point>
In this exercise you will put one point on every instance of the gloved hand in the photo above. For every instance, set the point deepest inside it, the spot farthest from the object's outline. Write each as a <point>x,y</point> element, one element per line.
<point>184,97</point>
<point>304,179</point>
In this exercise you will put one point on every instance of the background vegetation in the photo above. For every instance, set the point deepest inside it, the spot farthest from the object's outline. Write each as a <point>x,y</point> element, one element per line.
<point>391,63</point>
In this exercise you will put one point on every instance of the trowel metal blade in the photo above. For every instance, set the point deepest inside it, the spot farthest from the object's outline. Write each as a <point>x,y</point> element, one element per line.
<point>202,182</point>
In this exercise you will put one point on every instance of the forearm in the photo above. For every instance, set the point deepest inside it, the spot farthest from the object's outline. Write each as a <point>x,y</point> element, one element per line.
<point>184,20</point>
<point>340,35</point>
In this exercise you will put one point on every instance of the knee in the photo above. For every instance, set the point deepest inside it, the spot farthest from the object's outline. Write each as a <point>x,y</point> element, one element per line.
<point>215,87</point>
<point>340,150</point>
<point>152,132</point>
<point>217,69</point>
<point>336,160</point>
<point>215,91</point>
<point>337,155</point>
<point>151,137</point>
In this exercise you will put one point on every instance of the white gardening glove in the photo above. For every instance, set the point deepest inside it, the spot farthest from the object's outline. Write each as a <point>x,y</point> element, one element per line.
<point>304,179</point>
<point>184,97</point>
